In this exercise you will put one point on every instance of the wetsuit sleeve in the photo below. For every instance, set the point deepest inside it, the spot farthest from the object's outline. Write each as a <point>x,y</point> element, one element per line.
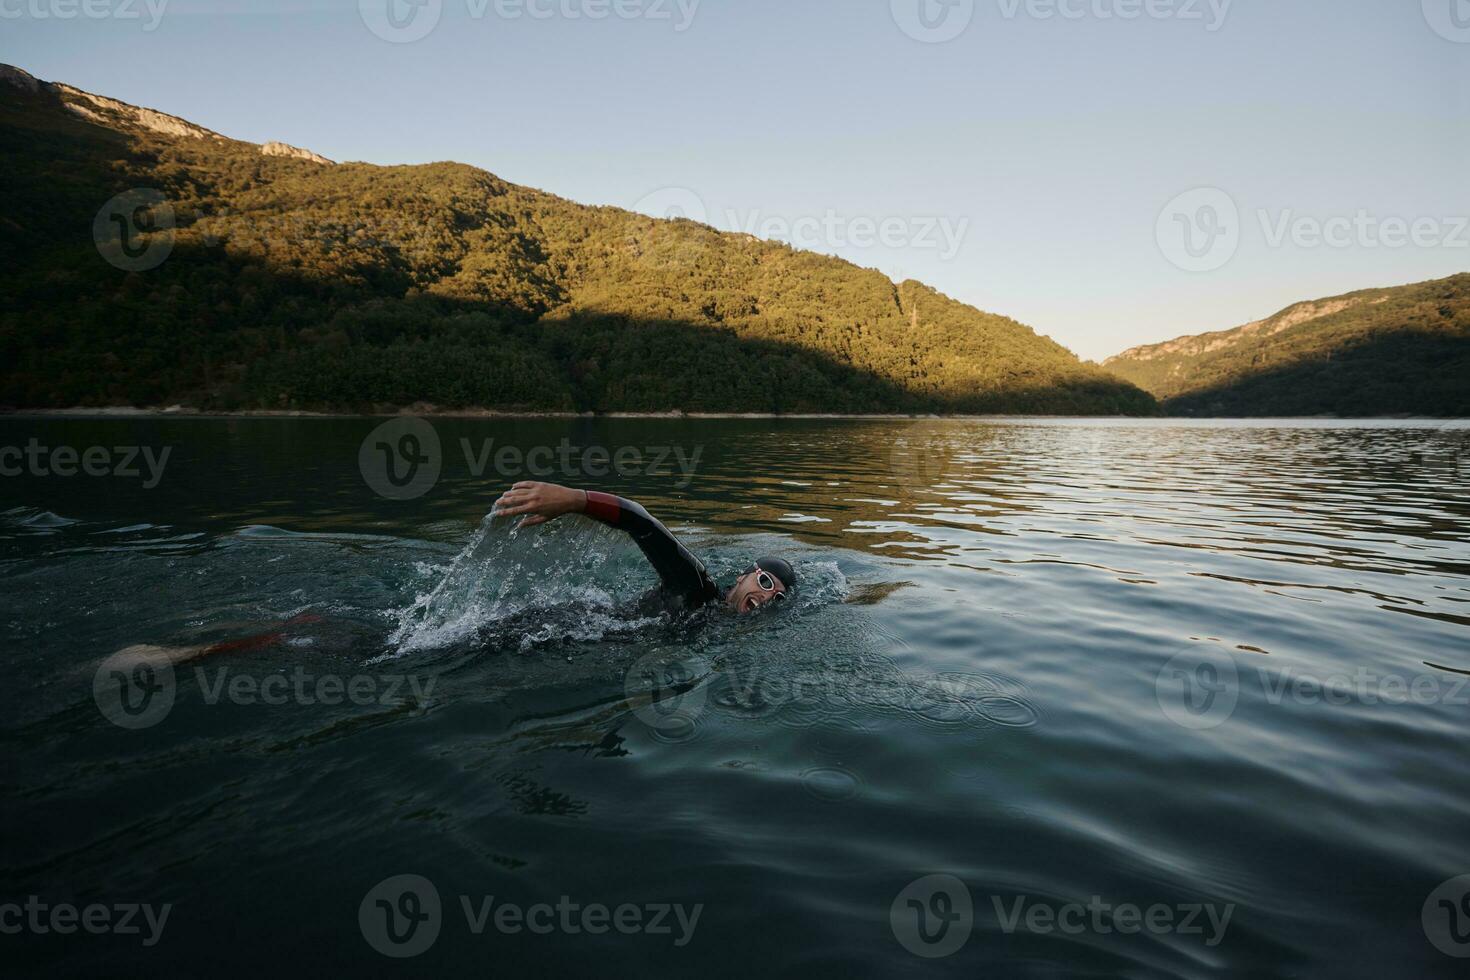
<point>681,573</point>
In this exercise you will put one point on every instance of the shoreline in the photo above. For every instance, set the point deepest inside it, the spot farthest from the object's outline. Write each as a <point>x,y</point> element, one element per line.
<point>429,411</point>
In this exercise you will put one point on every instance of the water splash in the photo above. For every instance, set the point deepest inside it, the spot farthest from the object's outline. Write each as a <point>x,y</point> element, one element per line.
<point>554,583</point>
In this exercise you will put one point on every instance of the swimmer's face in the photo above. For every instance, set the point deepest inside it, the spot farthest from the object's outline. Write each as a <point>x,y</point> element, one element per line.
<point>753,590</point>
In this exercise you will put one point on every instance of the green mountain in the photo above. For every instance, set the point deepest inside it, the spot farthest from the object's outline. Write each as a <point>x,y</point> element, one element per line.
<point>1399,350</point>
<point>289,282</point>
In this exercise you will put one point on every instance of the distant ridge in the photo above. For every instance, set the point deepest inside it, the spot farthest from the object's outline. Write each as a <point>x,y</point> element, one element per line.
<point>1402,350</point>
<point>113,113</point>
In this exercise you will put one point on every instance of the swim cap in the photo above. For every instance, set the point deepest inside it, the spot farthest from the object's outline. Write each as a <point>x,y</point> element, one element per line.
<point>780,568</point>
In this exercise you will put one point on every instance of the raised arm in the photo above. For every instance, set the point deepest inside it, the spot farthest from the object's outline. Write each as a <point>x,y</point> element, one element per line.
<point>681,573</point>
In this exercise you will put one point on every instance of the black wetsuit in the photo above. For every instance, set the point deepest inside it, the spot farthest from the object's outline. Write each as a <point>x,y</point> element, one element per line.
<point>685,583</point>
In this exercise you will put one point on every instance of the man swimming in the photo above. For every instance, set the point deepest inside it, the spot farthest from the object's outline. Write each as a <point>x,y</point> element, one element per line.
<point>683,578</point>
<point>685,585</point>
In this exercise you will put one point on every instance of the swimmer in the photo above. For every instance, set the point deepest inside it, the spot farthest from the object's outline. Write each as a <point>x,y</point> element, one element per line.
<point>684,582</point>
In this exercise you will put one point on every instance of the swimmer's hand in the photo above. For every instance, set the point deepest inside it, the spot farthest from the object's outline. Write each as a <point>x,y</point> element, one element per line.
<point>541,502</point>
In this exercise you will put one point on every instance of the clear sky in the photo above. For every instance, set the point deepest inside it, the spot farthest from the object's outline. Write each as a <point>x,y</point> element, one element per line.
<point>1030,164</point>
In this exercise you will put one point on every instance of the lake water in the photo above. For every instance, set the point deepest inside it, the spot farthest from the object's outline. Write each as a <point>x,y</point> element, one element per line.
<point>1056,699</point>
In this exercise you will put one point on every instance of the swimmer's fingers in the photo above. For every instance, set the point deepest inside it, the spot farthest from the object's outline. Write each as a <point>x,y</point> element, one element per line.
<point>513,498</point>
<point>533,520</point>
<point>543,500</point>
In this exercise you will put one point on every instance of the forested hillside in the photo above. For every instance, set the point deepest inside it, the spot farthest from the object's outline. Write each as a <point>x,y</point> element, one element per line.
<point>1401,350</point>
<point>290,282</point>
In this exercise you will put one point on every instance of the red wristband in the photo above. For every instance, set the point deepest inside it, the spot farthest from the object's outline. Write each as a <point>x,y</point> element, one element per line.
<point>603,507</point>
